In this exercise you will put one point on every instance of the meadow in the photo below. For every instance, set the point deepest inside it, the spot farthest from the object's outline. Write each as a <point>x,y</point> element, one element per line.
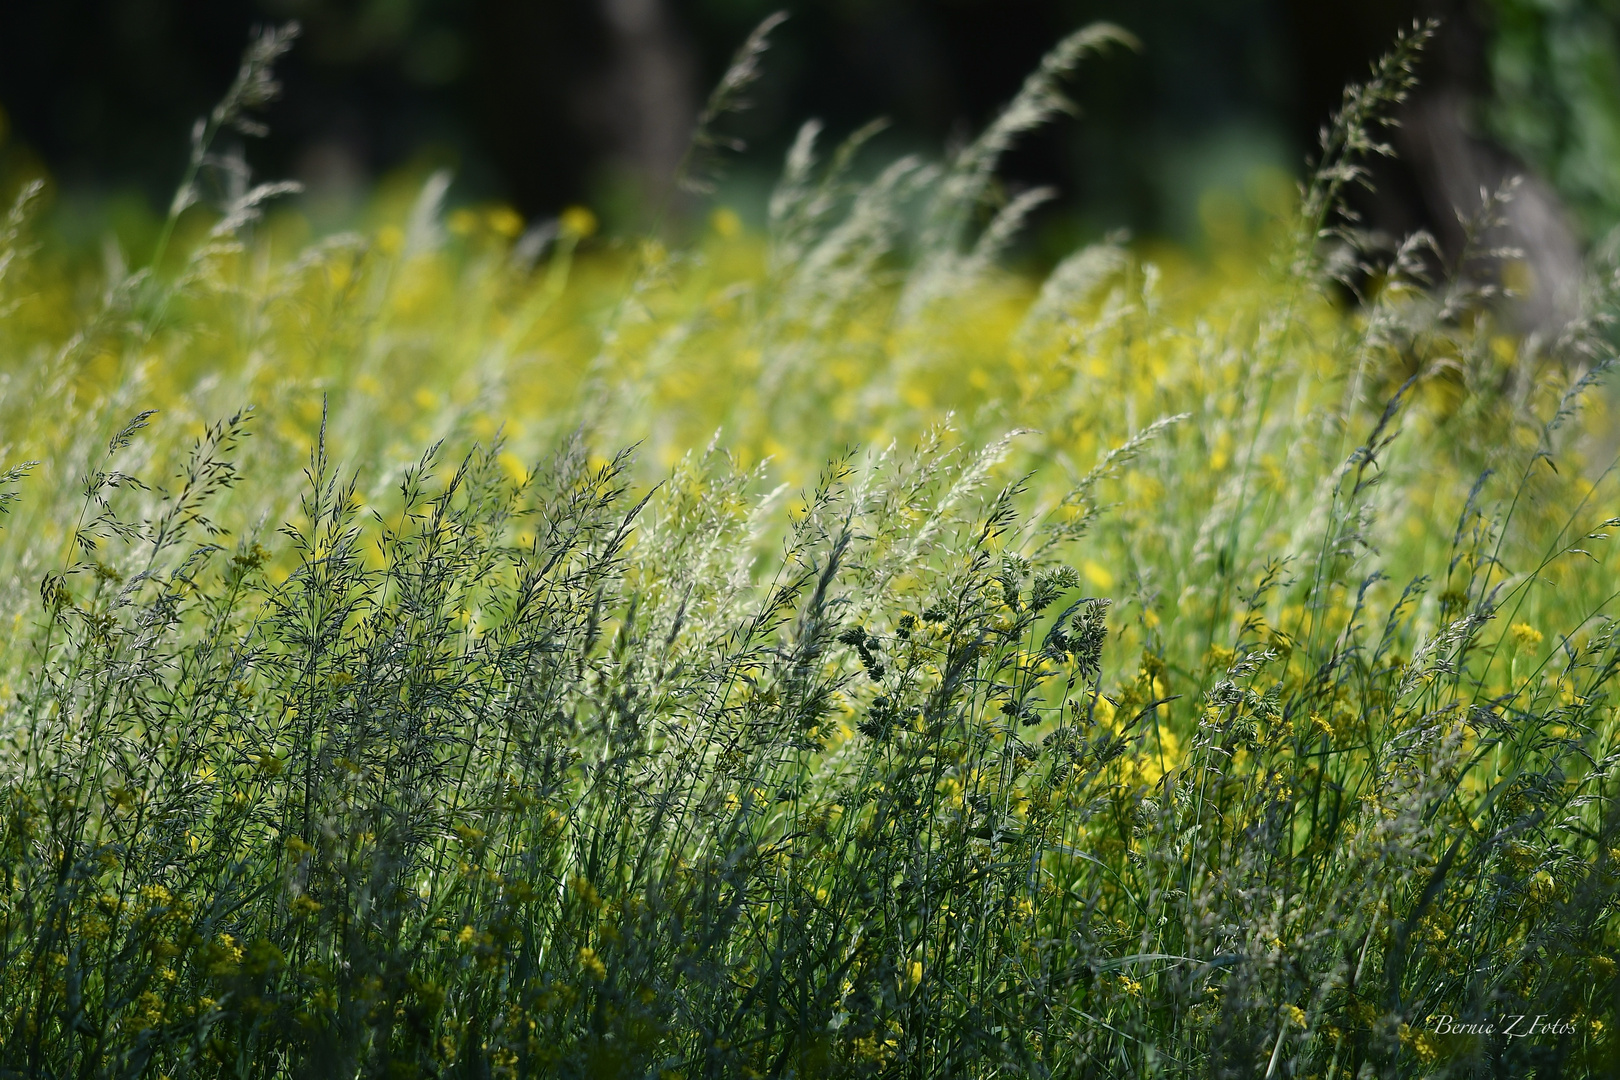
<point>810,650</point>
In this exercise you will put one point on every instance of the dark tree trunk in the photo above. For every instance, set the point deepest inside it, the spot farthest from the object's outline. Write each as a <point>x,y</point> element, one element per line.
<point>649,104</point>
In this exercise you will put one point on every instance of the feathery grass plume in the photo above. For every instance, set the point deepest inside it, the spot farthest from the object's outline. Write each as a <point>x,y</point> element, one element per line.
<point>9,478</point>
<point>797,207</point>
<point>700,166</point>
<point>964,185</point>
<point>1349,137</point>
<point>1037,101</point>
<point>253,88</point>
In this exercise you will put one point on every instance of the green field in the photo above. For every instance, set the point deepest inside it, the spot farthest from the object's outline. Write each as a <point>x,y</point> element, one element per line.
<point>809,650</point>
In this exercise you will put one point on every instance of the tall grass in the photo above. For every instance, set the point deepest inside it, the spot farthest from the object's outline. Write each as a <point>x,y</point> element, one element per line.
<point>1195,673</point>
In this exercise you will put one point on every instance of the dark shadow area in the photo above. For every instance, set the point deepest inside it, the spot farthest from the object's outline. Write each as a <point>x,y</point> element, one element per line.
<point>546,104</point>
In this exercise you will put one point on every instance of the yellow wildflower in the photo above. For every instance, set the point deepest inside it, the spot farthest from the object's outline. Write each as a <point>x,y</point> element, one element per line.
<point>577,222</point>
<point>505,221</point>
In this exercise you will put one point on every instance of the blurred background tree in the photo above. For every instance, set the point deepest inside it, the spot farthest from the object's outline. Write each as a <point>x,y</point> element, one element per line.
<point>543,103</point>
<point>1556,98</point>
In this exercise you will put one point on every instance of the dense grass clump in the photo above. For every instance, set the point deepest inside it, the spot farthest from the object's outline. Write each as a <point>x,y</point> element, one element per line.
<point>1207,670</point>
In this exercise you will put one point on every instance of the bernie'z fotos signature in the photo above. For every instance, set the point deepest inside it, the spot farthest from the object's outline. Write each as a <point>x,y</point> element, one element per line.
<point>1511,1026</point>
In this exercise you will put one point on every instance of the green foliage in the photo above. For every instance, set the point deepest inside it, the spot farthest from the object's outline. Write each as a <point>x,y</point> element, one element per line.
<point>1555,73</point>
<point>1246,718</point>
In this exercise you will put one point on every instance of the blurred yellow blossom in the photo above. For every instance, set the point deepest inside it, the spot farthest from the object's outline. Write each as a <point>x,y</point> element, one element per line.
<point>577,222</point>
